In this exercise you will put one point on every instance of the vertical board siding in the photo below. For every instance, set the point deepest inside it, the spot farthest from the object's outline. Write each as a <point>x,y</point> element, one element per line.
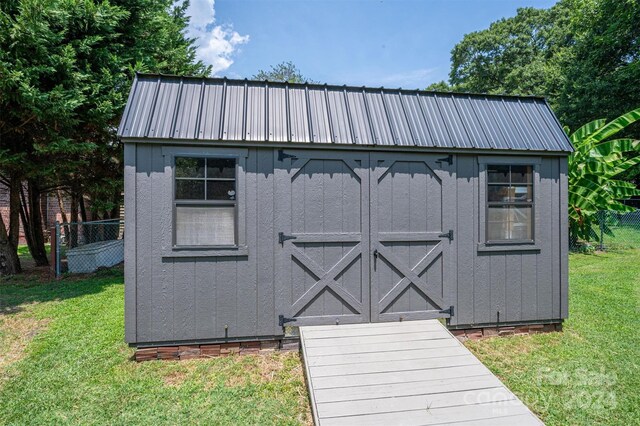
<point>205,291</point>
<point>466,238</point>
<point>196,298</point>
<point>175,299</point>
<point>144,256</point>
<point>130,267</point>
<point>544,234</point>
<point>162,292</point>
<point>265,243</point>
<point>564,239</point>
<point>522,286</point>
<point>513,288</point>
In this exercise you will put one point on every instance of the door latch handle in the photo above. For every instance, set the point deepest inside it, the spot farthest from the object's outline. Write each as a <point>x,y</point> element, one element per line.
<point>375,258</point>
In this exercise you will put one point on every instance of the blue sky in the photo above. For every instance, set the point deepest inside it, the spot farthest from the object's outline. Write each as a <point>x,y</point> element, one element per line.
<point>391,43</point>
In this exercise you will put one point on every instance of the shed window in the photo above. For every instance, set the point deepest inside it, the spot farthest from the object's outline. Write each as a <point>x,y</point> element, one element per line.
<point>205,201</point>
<point>509,203</point>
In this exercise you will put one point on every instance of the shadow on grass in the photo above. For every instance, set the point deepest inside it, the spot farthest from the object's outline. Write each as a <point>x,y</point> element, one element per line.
<point>35,286</point>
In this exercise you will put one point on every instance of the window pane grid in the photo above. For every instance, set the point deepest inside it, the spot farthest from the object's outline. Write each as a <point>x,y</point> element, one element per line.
<point>205,178</point>
<point>205,201</point>
<point>509,203</point>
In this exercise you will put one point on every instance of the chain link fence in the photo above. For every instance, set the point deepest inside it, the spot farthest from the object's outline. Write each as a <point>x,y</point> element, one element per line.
<point>614,231</point>
<point>85,247</point>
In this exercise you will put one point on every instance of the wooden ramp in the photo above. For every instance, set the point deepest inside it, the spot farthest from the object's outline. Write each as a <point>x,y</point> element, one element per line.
<point>402,373</point>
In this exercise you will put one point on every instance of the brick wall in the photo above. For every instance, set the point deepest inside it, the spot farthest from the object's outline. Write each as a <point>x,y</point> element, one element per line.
<point>48,205</point>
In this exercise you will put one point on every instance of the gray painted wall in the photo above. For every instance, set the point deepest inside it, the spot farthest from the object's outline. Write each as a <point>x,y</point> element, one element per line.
<point>205,296</point>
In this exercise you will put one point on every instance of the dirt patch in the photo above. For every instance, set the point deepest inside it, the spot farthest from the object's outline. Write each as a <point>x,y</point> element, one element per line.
<point>175,379</point>
<point>16,331</point>
<point>30,275</point>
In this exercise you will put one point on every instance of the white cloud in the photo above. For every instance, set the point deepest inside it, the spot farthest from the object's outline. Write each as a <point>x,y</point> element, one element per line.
<point>217,44</point>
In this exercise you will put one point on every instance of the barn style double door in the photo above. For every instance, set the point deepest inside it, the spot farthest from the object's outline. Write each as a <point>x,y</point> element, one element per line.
<point>362,237</point>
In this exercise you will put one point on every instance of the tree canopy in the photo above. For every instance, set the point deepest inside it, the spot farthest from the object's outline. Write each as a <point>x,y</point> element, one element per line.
<point>66,67</point>
<point>286,72</point>
<point>582,55</point>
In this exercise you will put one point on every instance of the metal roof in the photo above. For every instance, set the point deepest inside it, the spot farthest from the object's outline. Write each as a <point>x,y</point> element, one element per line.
<point>215,109</point>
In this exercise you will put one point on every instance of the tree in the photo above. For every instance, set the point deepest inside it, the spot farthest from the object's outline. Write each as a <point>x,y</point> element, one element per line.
<point>583,55</point>
<point>439,86</point>
<point>65,71</point>
<point>515,55</point>
<point>602,78</point>
<point>283,72</point>
<point>593,167</point>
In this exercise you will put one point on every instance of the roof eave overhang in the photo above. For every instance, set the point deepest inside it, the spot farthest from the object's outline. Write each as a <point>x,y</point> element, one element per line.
<point>337,146</point>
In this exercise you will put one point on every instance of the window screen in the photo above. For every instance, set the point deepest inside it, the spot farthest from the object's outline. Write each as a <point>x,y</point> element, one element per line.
<point>510,203</point>
<point>205,201</point>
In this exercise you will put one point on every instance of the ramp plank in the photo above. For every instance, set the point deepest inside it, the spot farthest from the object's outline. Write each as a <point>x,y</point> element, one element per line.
<point>403,373</point>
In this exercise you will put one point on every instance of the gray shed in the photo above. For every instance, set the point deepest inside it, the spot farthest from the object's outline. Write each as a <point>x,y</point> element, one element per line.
<point>251,205</point>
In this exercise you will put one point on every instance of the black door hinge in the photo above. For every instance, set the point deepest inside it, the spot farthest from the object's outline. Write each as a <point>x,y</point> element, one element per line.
<point>447,159</point>
<point>448,235</point>
<point>282,238</point>
<point>282,320</point>
<point>449,311</point>
<point>282,155</point>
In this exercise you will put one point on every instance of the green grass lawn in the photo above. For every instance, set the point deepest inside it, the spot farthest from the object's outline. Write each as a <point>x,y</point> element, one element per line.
<point>624,237</point>
<point>590,373</point>
<point>63,360</point>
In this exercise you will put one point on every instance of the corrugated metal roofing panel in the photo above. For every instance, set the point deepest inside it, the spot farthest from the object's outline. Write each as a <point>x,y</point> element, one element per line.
<point>453,121</point>
<point>211,111</point>
<point>487,122</point>
<point>471,123</point>
<point>416,120</point>
<point>546,116</point>
<point>504,123</point>
<point>435,121</point>
<point>298,115</point>
<point>338,110</point>
<point>165,107</point>
<point>522,128</point>
<point>170,107</point>
<point>186,125</point>
<point>319,116</point>
<point>256,113</point>
<point>277,115</point>
<point>139,109</point>
<point>378,118</point>
<point>234,112</point>
<point>399,125</point>
<point>362,131</point>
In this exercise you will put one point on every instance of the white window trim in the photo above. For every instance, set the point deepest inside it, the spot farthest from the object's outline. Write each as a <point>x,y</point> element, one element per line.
<point>168,248</point>
<point>483,162</point>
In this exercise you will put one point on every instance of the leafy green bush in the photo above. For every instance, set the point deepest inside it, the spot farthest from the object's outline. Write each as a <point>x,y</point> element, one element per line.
<point>597,160</point>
